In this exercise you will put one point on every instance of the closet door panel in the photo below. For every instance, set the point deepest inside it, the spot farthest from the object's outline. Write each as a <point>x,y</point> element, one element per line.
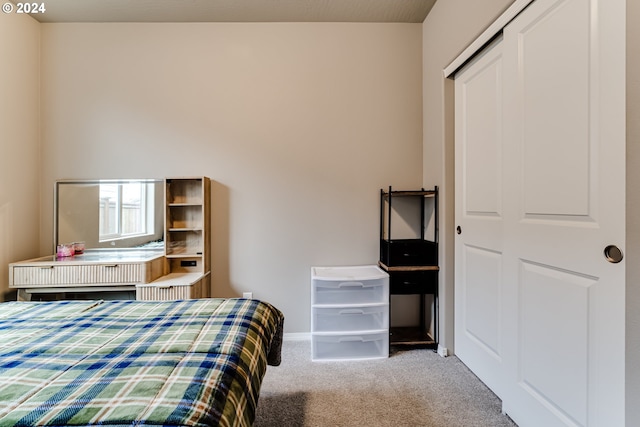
<point>483,270</point>
<point>479,206</point>
<point>482,151</point>
<point>554,334</point>
<point>564,165</point>
<point>553,80</point>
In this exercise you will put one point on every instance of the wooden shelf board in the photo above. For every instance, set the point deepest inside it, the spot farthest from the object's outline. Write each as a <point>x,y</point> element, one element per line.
<point>412,335</point>
<point>409,267</point>
<point>185,204</point>
<point>410,193</point>
<point>183,254</point>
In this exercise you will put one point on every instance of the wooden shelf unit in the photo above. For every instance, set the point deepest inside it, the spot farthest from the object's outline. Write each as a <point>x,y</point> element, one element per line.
<point>186,244</point>
<point>187,224</point>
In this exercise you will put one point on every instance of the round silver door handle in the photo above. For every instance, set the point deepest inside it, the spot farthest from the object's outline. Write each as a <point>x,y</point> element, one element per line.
<point>613,254</point>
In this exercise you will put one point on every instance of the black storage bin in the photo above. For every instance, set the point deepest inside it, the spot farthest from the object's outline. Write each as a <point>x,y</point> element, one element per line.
<point>408,252</point>
<point>413,282</point>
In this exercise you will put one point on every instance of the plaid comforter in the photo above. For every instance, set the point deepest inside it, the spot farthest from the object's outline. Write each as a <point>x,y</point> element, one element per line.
<point>134,363</point>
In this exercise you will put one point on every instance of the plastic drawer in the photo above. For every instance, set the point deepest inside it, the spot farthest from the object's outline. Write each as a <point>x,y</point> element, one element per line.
<point>328,292</point>
<point>350,319</point>
<point>334,347</point>
<point>359,272</point>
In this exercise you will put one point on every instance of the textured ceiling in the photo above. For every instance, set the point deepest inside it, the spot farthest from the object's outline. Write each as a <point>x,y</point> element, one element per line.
<point>234,10</point>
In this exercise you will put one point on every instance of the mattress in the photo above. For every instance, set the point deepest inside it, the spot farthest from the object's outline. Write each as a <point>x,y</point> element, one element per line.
<point>135,363</point>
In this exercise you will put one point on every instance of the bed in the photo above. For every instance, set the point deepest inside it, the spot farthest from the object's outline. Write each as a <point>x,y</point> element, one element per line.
<point>135,363</point>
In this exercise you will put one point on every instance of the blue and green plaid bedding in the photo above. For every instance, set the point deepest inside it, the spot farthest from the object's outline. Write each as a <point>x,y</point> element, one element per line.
<point>135,363</point>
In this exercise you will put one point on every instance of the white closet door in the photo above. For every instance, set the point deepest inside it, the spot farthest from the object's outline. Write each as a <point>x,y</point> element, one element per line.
<point>540,194</point>
<point>479,214</point>
<point>565,186</point>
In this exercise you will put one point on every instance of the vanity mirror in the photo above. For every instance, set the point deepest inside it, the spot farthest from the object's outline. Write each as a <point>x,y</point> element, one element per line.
<point>116,214</point>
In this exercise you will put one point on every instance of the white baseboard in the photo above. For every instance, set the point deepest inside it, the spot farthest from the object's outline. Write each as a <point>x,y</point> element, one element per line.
<point>297,336</point>
<point>443,351</point>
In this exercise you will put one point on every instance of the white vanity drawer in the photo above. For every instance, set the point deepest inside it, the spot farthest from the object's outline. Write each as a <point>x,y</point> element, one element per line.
<point>175,286</point>
<point>43,272</point>
<point>76,274</point>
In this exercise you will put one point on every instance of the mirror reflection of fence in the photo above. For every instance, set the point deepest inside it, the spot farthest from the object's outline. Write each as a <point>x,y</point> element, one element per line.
<point>110,213</point>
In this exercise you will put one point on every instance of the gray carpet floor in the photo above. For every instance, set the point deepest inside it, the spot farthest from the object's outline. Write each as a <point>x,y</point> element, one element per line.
<point>410,388</point>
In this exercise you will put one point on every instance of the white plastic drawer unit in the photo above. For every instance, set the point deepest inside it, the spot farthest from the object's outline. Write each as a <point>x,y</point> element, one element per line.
<point>354,318</point>
<point>349,313</point>
<point>349,285</point>
<point>352,346</point>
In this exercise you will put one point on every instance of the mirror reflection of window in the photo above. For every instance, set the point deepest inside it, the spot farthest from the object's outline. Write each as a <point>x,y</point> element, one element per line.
<point>123,210</point>
<point>108,204</point>
<point>114,214</point>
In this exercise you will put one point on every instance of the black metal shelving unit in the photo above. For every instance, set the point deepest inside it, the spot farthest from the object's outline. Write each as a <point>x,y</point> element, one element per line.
<point>412,263</point>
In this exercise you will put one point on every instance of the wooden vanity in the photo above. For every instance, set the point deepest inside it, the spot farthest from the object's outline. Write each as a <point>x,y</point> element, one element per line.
<point>179,269</point>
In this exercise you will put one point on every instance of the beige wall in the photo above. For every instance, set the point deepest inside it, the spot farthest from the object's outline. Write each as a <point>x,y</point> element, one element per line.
<point>633,215</point>
<point>449,28</point>
<point>19,140</point>
<point>298,126</point>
